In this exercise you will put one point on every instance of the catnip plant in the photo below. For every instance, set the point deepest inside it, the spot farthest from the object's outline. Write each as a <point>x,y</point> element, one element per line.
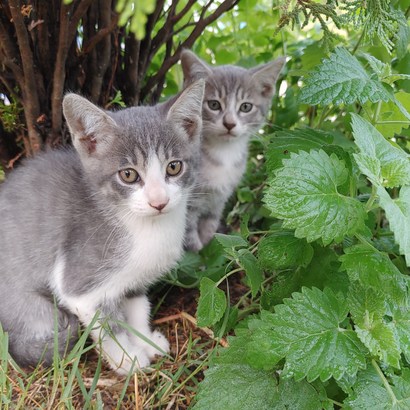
<point>328,322</point>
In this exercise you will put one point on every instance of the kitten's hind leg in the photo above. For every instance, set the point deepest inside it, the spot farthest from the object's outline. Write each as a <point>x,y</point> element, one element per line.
<point>32,335</point>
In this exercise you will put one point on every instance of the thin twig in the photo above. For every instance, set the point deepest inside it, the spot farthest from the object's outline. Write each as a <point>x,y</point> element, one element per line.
<point>31,100</point>
<point>188,43</point>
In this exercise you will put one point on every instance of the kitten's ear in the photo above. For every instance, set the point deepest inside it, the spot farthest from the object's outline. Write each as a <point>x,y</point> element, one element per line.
<point>186,112</point>
<point>90,127</point>
<point>267,74</point>
<point>193,67</point>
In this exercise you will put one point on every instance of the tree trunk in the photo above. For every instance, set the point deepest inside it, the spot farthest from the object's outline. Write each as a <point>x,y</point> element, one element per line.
<point>49,47</point>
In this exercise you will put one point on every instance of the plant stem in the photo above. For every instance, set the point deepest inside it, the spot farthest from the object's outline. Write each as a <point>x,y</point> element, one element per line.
<point>325,114</point>
<point>392,122</point>
<point>226,276</point>
<point>377,112</point>
<point>371,199</point>
<point>337,403</point>
<point>358,43</point>
<point>364,241</point>
<point>385,383</point>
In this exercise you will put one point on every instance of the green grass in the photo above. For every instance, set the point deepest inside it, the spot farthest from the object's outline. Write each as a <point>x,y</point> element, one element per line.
<point>83,381</point>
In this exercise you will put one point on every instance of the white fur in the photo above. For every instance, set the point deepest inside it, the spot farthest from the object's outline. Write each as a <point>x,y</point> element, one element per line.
<point>228,174</point>
<point>156,244</point>
<point>137,311</point>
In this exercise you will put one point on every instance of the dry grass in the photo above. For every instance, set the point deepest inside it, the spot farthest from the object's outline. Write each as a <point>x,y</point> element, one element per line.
<point>170,383</point>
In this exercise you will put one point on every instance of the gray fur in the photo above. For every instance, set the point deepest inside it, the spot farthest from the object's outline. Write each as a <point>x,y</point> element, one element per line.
<point>225,135</point>
<point>70,204</point>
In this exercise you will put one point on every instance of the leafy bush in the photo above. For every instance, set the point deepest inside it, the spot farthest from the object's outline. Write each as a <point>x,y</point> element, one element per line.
<point>323,244</point>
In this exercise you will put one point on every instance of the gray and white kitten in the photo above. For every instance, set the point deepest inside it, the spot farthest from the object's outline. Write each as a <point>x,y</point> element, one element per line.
<point>235,105</point>
<point>90,228</point>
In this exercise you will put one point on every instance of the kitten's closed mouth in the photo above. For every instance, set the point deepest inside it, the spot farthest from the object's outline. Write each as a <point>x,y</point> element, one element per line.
<point>159,213</point>
<point>229,136</point>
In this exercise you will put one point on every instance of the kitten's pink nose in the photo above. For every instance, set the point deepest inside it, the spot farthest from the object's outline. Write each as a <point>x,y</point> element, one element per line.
<point>158,205</point>
<point>229,125</point>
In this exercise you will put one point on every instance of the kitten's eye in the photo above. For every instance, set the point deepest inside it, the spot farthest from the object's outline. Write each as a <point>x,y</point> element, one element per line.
<point>245,107</point>
<point>174,168</point>
<point>214,105</point>
<point>129,175</point>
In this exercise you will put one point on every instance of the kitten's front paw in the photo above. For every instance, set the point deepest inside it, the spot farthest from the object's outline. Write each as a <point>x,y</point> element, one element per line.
<point>207,229</point>
<point>193,243</point>
<point>160,341</point>
<point>130,363</point>
<point>123,358</point>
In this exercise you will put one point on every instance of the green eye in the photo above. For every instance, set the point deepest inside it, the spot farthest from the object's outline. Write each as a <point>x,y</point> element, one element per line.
<point>174,168</point>
<point>245,107</point>
<point>214,105</point>
<point>129,176</point>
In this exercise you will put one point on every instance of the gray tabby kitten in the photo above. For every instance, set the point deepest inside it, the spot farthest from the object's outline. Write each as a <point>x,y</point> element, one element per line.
<point>90,228</point>
<point>235,105</point>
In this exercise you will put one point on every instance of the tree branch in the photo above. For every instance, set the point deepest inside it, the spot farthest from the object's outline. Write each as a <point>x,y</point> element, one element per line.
<point>163,34</point>
<point>100,35</point>
<point>9,55</point>
<point>104,49</point>
<point>144,55</point>
<point>188,43</point>
<point>68,29</point>
<point>31,106</point>
<point>59,75</point>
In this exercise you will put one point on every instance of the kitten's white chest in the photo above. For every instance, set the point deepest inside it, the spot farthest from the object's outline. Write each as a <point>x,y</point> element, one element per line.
<point>223,166</point>
<point>156,246</point>
<point>153,248</point>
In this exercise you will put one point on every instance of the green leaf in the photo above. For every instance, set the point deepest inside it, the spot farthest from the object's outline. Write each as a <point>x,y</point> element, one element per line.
<point>236,386</point>
<point>288,141</point>
<point>245,195</point>
<point>324,271</point>
<point>230,241</point>
<point>368,310</point>
<point>403,39</point>
<point>379,68</point>
<point>262,350</point>
<point>341,79</point>
<point>401,107</point>
<point>304,194</point>
<point>212,303</point>
<point>244,226</point>
<point>391,119</point>
<point>137,13</point>
<point>253,272</point>
<point>379,160</point>
<point>398,214</point>
<point>281,250</point>
<point>401,320</point>
<point>401,388</point>
<point>231,385</point>
<point>375,269</point>
<point>396,77</point>
<point>307,330</point>
<point>284,285</point>
<point>369,391</point>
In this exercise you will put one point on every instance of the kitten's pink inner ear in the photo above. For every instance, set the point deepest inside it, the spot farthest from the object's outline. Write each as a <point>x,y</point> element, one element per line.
<point>190,126</point>
<point>79,126</point>
<point>89,142</point>
<point>267,90</point>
